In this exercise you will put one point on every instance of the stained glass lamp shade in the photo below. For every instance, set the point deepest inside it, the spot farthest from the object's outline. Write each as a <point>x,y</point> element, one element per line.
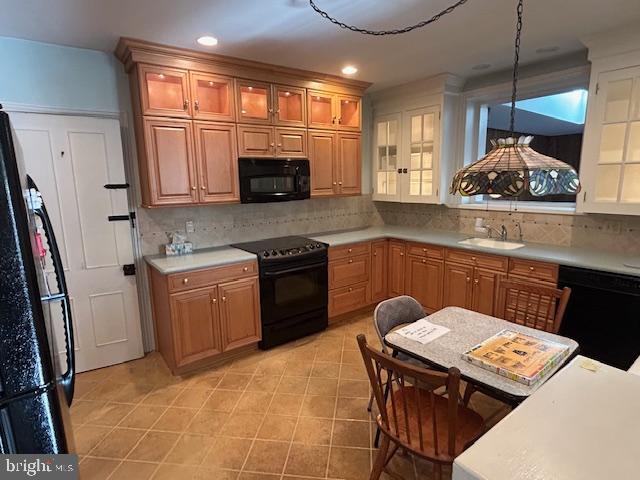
<point>512,168</point>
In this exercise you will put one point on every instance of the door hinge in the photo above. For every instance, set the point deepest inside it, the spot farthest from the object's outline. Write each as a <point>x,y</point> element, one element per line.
<point>597,88</point>
<point>584,196</point>
<point>129,269</point>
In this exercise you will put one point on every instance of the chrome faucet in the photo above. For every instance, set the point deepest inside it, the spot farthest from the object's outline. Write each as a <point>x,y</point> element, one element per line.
<point>502,233</point>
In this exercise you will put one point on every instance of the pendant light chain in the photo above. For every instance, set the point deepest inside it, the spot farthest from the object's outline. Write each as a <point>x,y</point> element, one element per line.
<point>516,59</point>
<point>396,31</point>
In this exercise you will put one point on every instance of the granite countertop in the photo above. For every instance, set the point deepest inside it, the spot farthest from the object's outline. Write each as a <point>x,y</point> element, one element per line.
<point>569,256</point>
<point>201,258</point>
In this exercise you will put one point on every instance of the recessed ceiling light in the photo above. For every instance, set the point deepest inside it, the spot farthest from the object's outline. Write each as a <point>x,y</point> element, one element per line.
<point>207,41</point>
<point>548,49</point>
<point>482,66</point>
<point>349,70</point>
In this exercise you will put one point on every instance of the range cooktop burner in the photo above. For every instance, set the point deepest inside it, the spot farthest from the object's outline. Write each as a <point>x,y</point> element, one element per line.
<point>283,247</point>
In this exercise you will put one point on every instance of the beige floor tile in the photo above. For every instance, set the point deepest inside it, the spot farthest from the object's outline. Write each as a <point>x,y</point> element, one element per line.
<point>105,391</point>
<point>83,409</point>
<point>82,388</point>
<point>194,397</point>
<point>313,431</point>
<point>349,463</point>
<point>207,422</point>
<point>129,470</point>
<point>243,425</point>
<point>173,472</point>
<point>97,468</point>
<point>254,402</point>
<point>331,355</point>
<point>142,416</point>
<point>353,388</point>
<point>227,453</point>
<point>234,381</point>
<point>294,385</point>
<point>277,427</point>
<point>163,396</point>
<point>258,476</point>
<point>222,400</point>
<point>247,365</point>
<point>190,449</point>
<point>154,446</point>
<point>205,380</point>
<point>264,383</point>
<point>132,392</point>
<point>109,415</point>
<point>88,436</point>
<point>351,433</point>
<point>308,460</point>
<point>350,408</point>
<point>325,370</point>
<point>322,386</point>
<point>267,456</point>
<point>318,406</point>
<point>271,366</point>
<point>352,357</point>
<point>118,443</point>
<point>175,419</point>
<point>296,368</point>
<point>354,371</point>
<point>206,472</point>
<point>286,404</point>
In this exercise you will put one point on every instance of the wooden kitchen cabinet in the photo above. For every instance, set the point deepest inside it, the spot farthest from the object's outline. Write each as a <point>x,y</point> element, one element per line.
<point>349,164</point>
<point>334,112</point>
<point>196,325</point>
<point>291,142</point>
<point>213,97</point>
<point>379,270</point>
<point>458,285</point>
<point>424,281</point>
<point>256,141</point>
<point>254,102</point>
<point>348,299</point>
<point>322,160</point>
<point>217,161</point>
<point>397,250</point>
<point>290,106</point>
<point>240,313</point>
<point>348,112</point>
<point>169,174</point>
<point>164,91</point>
<point>349,271</point>
<point>486,288</point>
<point>206,315</point>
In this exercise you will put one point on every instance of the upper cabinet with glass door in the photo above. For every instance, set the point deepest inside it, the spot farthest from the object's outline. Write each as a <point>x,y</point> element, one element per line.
<point>213,97</point>
<point>386,158</point>
<point>164,91</point>
<point>334,112</point>
<point>271,104</point>
<point>611,153</point>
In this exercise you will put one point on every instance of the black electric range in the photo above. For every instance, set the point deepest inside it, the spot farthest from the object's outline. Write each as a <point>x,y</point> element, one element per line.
<point>293,287</point>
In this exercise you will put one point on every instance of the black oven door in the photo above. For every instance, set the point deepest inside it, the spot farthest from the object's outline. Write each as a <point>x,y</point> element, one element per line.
<point>273,180</point>
<point>293,289</point>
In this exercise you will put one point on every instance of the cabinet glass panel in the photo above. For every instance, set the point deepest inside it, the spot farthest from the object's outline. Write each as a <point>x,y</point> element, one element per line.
<point>165,91</point>
<point>349,114</point>
<point>633,148</point>
<point>321,109</point>
<point>612,143</point>
<point>631,183</point>
<point>607,184</point>
<point>421,154</point>
<point>290,105</point>
<point>618,99</point>
<point>387,156</point>
<point>254,102</point>
<point>212,96</point>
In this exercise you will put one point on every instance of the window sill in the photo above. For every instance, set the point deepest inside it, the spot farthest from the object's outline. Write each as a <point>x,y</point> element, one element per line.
<point>522,207</point>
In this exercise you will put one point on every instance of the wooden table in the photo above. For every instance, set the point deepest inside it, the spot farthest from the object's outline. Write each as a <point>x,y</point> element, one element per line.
<point>467,329</point>
<point>580,425</point>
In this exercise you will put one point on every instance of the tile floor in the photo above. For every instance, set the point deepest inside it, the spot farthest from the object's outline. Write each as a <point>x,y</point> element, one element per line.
<point>294,412</point>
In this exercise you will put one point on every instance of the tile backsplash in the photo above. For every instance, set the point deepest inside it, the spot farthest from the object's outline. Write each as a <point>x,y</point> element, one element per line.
<point>605,232</point>
<point>224,224</point>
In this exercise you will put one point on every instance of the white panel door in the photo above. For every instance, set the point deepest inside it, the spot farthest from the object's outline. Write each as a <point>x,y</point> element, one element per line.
<point>71,159</point>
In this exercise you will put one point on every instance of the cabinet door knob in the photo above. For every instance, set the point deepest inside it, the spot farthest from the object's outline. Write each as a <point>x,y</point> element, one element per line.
<point>402,254</point>
<point>333,120</point>
<point>339,183</point>
<point>271,110</point>
<point>350,289</point>
<point>193,187</point>
<point>245,269</point>
<point>185,280</point>
<point>473,259</point>
<point>272,144</point>
<point>335,183</point>
<point>476,281</point>
<point>350,250</point>
<point>279,144</point>
<point>185,104</point>
<point>424,250</point>
<point>531,269</point>
<point>468,279</point>
<point>196,105</point>
<point>339,119</point>
<point>375,254</point>
<point>350,261</point>
<point>202,187</point>
<point>224,299</point>
<point>214,300</point>
<point>424,261</point>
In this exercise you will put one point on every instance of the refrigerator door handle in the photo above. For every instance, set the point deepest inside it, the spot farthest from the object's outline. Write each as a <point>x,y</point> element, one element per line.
<point>68,378</point>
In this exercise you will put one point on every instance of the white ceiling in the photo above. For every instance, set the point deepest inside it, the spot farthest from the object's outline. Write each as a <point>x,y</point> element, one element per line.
<point>288,32</point>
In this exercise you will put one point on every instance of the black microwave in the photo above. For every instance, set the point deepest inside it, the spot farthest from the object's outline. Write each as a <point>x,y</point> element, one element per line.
<point>273,179</point>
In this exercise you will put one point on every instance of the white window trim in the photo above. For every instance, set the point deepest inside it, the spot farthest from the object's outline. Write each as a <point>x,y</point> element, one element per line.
<point>473,115</point>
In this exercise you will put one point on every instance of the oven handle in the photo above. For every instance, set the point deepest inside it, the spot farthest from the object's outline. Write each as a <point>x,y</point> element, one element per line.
<point>301,268</point>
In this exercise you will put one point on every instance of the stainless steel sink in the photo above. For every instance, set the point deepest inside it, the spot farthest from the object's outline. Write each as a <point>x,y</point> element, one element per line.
<point>491,243</point>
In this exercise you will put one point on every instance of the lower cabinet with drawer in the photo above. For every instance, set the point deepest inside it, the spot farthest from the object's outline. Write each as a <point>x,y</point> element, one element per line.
<point>349,278</point>
<point>205,315</point>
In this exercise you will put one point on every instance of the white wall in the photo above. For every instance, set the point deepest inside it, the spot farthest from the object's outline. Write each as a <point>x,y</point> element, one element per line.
<point>65,78</point>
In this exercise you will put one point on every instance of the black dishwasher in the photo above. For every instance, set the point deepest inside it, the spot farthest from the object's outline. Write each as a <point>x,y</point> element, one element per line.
<point>603,314</point>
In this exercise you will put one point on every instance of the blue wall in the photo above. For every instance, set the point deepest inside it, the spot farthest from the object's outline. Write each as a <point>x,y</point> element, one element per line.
<point>47,75</point>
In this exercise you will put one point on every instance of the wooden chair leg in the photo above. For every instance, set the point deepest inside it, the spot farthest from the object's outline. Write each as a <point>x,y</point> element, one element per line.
<point>381,459</point>
<point>370,403</point>
<point>468,391</point>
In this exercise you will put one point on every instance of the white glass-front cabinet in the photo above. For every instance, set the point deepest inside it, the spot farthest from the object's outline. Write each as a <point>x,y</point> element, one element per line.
<point>406,156</point>
<point>610,168</point>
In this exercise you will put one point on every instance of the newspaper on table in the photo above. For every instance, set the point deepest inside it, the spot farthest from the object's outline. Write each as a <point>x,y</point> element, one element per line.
<point>422,331</point>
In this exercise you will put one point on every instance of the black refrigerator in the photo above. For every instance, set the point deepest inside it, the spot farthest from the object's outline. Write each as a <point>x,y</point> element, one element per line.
<point>36,378</point>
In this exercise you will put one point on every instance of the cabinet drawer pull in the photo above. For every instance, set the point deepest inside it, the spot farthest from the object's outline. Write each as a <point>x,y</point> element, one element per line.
<point>350,289</point>
<point>350,250</point>
<point>185,281</point>
<point>531,269</point>
<point>424,261</point>
<point>185,104</point>
<point>245,269</point>
<point>473,259</point>
<point>424,250</point>
<point>350,261</point>
<point>196,105</point>
<point>375,254</point>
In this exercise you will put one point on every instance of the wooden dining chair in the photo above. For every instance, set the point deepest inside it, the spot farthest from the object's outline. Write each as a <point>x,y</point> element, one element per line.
<point>432,426</point>
<point>534,306</point>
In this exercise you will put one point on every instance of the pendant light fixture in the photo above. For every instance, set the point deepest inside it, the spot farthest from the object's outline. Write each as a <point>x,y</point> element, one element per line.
<point>512,167</point>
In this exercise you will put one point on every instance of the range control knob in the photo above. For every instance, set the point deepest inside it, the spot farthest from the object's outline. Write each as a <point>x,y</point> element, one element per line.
<point>318,245</point>
<point>265,253</point>
<point>274,253</point>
